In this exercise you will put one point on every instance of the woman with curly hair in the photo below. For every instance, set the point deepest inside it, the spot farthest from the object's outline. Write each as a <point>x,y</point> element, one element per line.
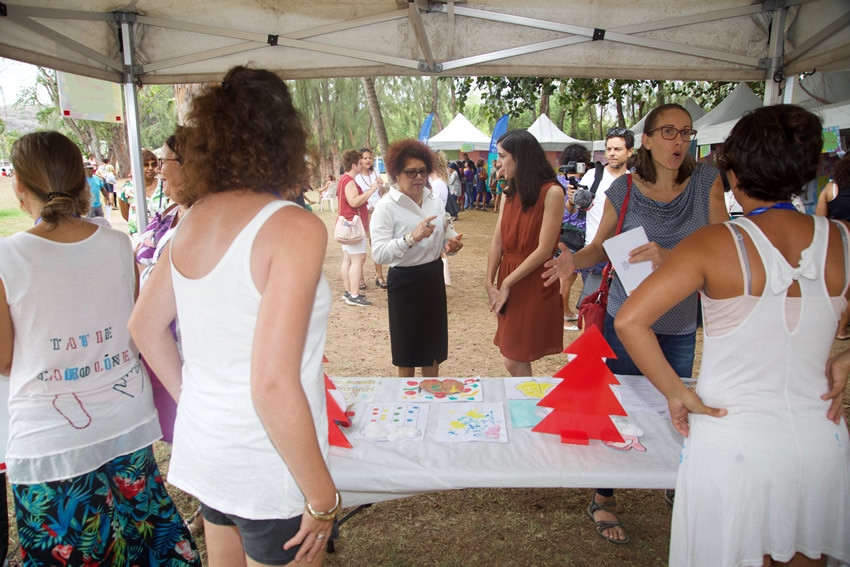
<point>82,420</point>
<point>244,273</point>
<point>766,479</point>
<point>410,229</point>
<point>526,235</point>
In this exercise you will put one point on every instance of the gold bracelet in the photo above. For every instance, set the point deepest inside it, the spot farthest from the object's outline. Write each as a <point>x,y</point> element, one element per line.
<point>325,516</point>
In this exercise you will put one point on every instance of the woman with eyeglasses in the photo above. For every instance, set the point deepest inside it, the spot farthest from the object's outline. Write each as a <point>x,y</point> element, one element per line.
<point>410,228</point>
<point>671,196</point>
<point>156,201</point>
<point>526,235</point>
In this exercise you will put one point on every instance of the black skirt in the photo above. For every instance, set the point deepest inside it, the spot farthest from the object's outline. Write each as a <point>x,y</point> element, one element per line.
<point>416,301</point>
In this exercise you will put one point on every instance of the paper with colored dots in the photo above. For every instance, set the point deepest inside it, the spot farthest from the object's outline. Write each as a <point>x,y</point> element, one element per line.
<point>392,422</point>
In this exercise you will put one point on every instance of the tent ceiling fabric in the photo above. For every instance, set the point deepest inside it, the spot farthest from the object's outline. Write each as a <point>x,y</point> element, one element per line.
<point>198,40</point>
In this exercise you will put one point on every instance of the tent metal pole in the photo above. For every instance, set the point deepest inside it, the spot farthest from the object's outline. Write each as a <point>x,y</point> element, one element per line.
<point>131,102</point>
<point>774,78</point>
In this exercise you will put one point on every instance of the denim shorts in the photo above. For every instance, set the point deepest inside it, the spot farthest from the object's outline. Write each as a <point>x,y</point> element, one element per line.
<point>677,349</point>
<point>262,540</point>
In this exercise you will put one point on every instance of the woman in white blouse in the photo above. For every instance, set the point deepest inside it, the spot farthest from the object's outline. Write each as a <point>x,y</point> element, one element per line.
<point>409,231</point>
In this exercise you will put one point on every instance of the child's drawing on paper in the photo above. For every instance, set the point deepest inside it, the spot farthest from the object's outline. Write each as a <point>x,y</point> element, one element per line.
<point>630,432</point>
<point>357,390</point>
<point>393,422</point>
<point>529,388</point>
<point>472,422</point>
<point>446,390</point>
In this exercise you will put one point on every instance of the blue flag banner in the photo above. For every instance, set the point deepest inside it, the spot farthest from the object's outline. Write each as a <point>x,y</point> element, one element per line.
<point>500,128</point>
<point>425,132</point>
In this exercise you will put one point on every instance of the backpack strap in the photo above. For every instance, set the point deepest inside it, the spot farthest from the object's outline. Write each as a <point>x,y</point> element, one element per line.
<point>597,177</point>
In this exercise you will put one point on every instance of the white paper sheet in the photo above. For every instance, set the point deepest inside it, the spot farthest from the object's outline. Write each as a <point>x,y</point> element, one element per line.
<point>357,390</point>
<point>637,394</point>
<point>391,422</point>
<point>618,248</point>
<point>472,422</point>
<point>440,390</point>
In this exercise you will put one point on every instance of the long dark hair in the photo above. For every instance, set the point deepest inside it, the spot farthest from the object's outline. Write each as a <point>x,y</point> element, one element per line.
<point>532,167</point>
<point>644,166</point>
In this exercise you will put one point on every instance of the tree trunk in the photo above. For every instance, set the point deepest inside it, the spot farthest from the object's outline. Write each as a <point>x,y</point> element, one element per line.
<point>544,102</point>
<point>435,106</point>
<point>120,155</point>
<point>454,97</point>
<point>183,95</point>
<point>618,102</point>
<point>322,167</point>
<point>375,113</point>
<point>572,117</point>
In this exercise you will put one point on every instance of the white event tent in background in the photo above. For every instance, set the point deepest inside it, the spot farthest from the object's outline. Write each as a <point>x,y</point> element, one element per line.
<point>460,131</point>
<point>551,137</point>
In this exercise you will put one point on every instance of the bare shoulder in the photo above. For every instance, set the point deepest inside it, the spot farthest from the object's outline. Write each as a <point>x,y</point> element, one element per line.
<point>294,224</point>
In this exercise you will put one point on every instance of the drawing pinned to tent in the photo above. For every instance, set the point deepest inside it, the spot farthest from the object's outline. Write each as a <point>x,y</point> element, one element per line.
<point>529,388</point>
<point>446,390</point>
<point>393,422</point>
<point>472,422</point>
<point>357,390</point>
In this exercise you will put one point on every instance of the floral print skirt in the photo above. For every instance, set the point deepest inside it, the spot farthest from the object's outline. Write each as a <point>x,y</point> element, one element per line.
<point>118,514</point>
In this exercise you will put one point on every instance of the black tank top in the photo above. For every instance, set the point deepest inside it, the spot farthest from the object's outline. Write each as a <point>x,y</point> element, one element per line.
<point>839,208</point>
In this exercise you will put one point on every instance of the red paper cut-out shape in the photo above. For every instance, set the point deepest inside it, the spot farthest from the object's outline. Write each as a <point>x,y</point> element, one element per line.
<point>336,416</point>
<point>583,401</point>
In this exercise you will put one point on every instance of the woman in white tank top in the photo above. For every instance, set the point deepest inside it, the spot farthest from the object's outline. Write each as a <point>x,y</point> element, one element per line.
<point>245,277</point>
<point>766,478</point>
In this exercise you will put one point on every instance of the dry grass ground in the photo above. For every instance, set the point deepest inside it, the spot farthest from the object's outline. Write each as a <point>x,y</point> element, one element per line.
<point>536,527</point>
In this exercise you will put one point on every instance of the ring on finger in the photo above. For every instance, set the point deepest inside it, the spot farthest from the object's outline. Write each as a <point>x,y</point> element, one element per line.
<point>320,536</point>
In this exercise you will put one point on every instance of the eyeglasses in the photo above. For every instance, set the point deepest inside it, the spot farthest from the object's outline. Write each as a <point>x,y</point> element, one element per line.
<point>670,133</point>
<point>150,164</point>
<point>162,161</point>
<point>412,173</point>
<point>617,132</point>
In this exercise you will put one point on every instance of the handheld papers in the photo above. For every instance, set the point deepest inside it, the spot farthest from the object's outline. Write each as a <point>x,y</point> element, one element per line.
<point>618,248</point>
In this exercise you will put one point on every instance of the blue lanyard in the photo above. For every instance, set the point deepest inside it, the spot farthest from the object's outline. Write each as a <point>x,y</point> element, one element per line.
<point>760,210</point>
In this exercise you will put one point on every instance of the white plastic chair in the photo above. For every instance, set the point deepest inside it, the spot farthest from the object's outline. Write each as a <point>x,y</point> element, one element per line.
<point>328,196</point>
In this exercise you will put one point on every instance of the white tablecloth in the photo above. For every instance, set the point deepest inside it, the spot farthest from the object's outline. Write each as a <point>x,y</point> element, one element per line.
<point>378,471</point>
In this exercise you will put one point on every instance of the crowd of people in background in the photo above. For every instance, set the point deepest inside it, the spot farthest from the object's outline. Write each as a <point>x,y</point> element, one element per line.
<point>238,388</point>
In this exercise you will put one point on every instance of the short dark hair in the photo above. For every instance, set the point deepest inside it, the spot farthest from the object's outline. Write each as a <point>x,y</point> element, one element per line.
<point>174,143</point>
<point>644,166</point>
<point>841,173</point>
<point>245,133</point>
<point>774,151</point>
<point>403,150</point>
<point>349,158</point>
<point>627,135</point>
<point>365,149</point>
<point>532,167</point>
<point>576,153</point>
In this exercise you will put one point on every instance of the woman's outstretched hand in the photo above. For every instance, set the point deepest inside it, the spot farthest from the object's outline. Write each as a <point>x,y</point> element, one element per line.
<point>560,269</point>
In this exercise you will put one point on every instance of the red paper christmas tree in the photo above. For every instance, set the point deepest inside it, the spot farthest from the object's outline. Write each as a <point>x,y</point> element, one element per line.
<point>336,417</point>
<point>583,400</point>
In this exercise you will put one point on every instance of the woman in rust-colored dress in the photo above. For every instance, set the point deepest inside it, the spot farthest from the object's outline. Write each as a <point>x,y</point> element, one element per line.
<point>526,235</point>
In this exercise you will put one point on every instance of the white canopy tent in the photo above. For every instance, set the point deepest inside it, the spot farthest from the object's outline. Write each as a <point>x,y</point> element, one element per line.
<point>837,114</point>
<point>551,138</point>
<point>165,42</point>
<point>739,101</point>
<point>458,132</point>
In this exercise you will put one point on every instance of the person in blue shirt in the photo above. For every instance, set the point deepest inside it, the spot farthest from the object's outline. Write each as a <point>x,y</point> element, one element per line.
<point>97,187</point>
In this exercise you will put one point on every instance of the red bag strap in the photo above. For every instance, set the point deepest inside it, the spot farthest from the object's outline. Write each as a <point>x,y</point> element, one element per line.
<point>606,274</point>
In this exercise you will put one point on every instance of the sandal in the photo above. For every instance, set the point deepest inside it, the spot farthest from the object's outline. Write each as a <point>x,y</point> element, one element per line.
<point>381,282</point>
<point>670,497</point>
<point>605,525</point>
<point>362,284</point>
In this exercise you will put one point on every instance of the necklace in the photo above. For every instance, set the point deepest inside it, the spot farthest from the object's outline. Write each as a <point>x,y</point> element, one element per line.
<point>783,205</point>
